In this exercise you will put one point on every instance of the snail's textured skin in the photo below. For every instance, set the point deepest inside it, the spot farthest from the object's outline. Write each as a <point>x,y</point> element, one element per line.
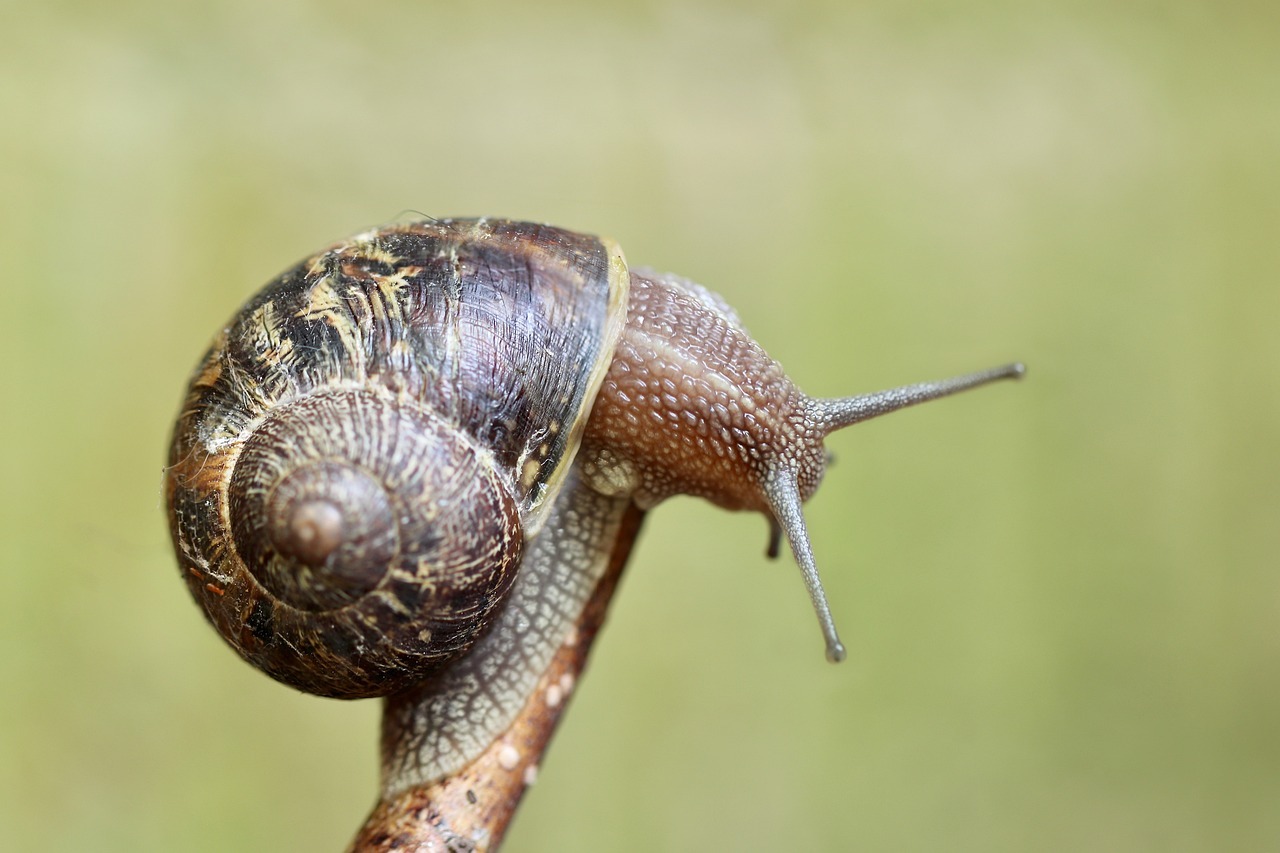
<point>692,405</point>
<point>497,332</point>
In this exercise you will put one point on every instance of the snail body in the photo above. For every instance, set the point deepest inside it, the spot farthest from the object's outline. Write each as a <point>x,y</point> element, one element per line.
<point>400,468</point>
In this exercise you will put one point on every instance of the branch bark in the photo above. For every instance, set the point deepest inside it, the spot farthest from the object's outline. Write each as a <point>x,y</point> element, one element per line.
<point>470,811</point>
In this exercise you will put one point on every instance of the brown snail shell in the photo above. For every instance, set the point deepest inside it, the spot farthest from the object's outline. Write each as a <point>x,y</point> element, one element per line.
<point>350,486</point>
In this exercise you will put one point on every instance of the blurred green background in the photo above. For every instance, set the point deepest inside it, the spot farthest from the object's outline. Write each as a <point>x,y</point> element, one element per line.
<point>1061,598</point>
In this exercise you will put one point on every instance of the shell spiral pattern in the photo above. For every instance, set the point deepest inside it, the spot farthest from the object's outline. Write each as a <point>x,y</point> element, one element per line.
<point>365,450</point>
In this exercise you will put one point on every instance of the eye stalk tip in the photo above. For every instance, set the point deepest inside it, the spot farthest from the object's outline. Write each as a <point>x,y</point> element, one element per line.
<point>835,651</point>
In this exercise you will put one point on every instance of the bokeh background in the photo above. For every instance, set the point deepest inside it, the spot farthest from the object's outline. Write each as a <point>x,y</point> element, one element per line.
<point>1061,598</point>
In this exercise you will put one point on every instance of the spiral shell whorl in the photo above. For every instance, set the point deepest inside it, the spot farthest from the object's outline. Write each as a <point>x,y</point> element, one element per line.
<point>365,448</point>
<point>328,518</point>
<point>317,534</point>
<point>372,541</point>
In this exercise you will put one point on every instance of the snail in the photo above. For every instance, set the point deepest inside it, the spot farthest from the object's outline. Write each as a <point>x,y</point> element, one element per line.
<point>400,467</point>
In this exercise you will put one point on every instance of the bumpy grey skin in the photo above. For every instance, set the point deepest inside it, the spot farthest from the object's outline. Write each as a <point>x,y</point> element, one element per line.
<point>692,405</point>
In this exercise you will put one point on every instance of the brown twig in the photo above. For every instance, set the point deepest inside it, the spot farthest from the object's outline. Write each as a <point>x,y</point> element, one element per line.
<point>470,811</point>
